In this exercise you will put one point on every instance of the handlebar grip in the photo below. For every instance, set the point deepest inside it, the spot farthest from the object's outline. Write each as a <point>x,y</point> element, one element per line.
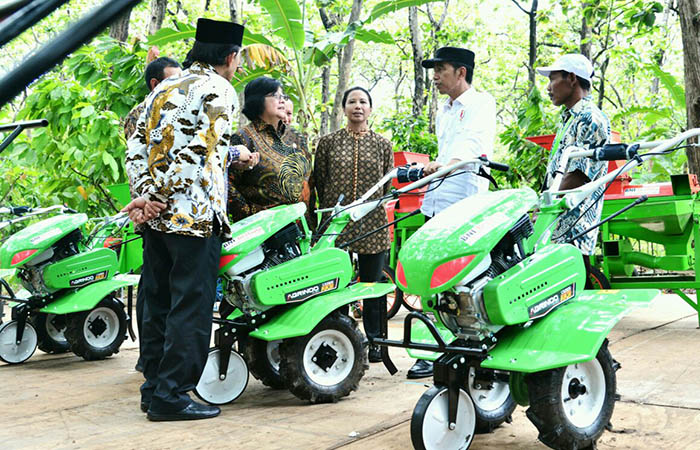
<point>409,173</point>
<point>19,210</point>
<point>614,152</point>
<point>499,166</point>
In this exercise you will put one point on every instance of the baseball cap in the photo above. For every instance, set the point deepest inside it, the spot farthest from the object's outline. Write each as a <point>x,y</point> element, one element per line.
<point>574,63</point>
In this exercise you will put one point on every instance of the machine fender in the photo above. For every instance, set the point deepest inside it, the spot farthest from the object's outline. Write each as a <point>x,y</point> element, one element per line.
<point>86,297</point>
<point>570,334</point>
<point>300,320</point>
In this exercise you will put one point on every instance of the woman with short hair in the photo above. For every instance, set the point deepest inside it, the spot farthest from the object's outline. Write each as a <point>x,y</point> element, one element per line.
<point>283,174</point>
<point>349,162</point>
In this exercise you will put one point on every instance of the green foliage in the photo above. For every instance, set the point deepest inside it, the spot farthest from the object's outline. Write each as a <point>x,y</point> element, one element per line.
<point>82,150</point>
<point>410,134</point>
<point>528,161</point>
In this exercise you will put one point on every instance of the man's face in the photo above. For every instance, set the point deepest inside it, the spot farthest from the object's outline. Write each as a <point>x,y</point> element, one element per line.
<point>288,112</point>
<point>560,88</point>
<point>446,77</point>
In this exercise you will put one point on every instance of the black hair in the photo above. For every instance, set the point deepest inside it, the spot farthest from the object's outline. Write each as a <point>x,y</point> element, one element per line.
<point>156,69</point>
<point>356,88</point>
<point>254,94</point>
<point>470,70</point>
<point>585,84</point>
<point>210,53</point>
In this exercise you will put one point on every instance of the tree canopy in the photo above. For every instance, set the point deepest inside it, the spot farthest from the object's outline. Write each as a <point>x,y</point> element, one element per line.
<point>314,47</point>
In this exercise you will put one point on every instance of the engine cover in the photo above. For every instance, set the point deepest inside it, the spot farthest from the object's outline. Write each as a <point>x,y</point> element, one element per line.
<point>81,269</point>
<point>302,278</point>
<point>536,285</point>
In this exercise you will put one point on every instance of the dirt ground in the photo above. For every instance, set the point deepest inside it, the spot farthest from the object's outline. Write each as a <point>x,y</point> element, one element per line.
<point>63,402</point>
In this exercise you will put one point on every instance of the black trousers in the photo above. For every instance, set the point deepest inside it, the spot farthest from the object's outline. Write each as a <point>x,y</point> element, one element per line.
<point>178,288</point>
<point>370,269</point>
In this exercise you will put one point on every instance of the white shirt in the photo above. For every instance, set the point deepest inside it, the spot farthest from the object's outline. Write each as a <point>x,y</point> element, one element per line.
<point>465,129</point>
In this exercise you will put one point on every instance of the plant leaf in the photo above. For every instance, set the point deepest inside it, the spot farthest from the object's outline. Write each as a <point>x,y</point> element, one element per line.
<point>390,6</point>
<point>286,21</point>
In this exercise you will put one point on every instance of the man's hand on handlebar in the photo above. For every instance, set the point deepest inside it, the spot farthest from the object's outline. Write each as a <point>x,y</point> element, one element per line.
<point>432,167</point>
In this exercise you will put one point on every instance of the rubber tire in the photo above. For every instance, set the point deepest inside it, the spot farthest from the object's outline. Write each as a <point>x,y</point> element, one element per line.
<point>254,352</point>
<point>292,362</point>
<point>390,277</point>
<point>76,338</point>
<point>487,421</point>
<point>546,414</point>
<point>47,344</point>
<point>598,279</point>
<point>419,414</point>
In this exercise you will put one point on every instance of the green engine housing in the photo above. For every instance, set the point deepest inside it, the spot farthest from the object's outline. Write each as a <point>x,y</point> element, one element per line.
<point>302,278</point>
<point>536,285</point>
<point>81,269</point>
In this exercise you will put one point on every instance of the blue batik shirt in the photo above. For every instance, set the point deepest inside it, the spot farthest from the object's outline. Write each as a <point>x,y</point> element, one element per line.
<point>584,126</point>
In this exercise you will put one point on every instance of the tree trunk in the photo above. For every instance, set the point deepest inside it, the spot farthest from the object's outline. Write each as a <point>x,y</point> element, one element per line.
<point>585,33</point>
<point>344,70</point>
<point>601,86</point>
<point>532,54</point>
<point>689,12</point>
<point>418,72</point>
<point>233,8</point>
<point>325,96</point>
<point>119,29</point>
<point>157,15</point>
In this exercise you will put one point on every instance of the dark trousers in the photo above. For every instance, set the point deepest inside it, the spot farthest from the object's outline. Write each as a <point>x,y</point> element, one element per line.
<point>370,269</point>
<point>178,288</point>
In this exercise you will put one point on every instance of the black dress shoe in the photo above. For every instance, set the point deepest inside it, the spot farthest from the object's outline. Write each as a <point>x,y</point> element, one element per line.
<point>375,354</point>
<point>421,369</point>
<point>193,411</point>
<point>145,406</point>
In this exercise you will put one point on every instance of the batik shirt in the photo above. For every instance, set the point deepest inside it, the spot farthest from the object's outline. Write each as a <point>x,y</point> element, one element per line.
<point>349,163</point>
<point>132,118</point>
<point>180,149</point>
<point>583,126</point>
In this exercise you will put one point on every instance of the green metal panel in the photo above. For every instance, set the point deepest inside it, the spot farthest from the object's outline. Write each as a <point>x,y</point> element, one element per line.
<point>252,231</point>
<point>570,334</point>
<point>81,269</point>
<point>472,226</point>
<point>39,236</point>
<point>531,288</point>
<point>402,231</point>
<point>303,277</point>
<point>131,253</point>
<point>299,321</point>
<point>86,298</point>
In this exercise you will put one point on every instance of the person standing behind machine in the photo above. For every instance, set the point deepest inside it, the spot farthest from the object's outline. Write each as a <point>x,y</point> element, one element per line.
<point>465,128</point>
<point>582,125</point>
<point>176,162</point>
<point>349,162</point>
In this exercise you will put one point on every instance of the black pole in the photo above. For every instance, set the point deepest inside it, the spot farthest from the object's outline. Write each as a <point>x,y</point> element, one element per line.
<point>26,17</point>
<point>53,53</point>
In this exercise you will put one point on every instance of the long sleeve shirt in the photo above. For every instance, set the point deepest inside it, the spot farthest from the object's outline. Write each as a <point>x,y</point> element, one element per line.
<point>179,151</point>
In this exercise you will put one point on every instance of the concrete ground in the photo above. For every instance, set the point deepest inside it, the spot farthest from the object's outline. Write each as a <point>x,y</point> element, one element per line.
<point>63,402</point>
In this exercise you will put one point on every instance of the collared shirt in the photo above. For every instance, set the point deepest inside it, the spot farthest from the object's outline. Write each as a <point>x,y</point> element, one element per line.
<point>465,129</point>
<point>180,149</point>
<point>585,126</point>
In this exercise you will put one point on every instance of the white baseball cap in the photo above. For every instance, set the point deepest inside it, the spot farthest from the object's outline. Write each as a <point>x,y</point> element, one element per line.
<point>574,63</point>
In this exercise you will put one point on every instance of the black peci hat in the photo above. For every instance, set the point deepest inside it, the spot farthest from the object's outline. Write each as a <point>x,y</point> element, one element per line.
<point>218,32</point>
<point>457,55</point>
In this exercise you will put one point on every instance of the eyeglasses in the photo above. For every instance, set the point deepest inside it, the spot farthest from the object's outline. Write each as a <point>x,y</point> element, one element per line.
<point>278,96</point>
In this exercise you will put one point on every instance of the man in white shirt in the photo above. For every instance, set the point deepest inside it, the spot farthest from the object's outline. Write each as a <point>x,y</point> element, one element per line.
<point>465,128</point>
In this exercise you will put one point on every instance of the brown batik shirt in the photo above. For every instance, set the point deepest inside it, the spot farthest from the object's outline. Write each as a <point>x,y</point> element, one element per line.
<point>350,164</point>
<point>282,176</point>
